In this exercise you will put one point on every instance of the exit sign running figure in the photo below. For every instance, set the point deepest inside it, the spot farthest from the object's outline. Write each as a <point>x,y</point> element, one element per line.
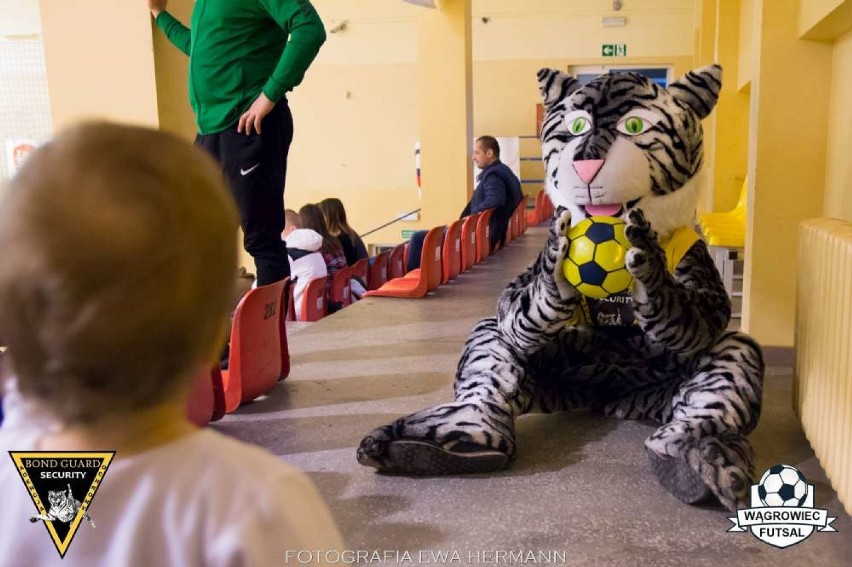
<point>614,50</point>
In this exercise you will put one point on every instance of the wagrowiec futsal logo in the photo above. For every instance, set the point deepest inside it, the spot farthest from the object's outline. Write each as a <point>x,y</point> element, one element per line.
<point>782,512</point>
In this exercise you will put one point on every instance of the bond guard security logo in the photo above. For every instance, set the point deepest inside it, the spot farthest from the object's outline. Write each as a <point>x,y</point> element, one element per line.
<point>782,509</point>
<point>62,485</point>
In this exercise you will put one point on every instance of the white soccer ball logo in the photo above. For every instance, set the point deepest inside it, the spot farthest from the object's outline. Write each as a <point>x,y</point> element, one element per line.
<point>782,485</point>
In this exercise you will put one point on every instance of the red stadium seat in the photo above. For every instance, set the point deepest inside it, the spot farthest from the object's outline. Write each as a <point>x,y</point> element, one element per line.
<point>397,262</point>
<point>421,281</point>
<point>284,312</point>
<point>313,301</point>
<point>291,303</point>
<point>254,365</point>
<point>201,409</point>
<point>360,270</point>
<point>468,242</point>
<point>483,235</point>
<point>451,253</point>
<point>378,274</point>
<point>341,287</point>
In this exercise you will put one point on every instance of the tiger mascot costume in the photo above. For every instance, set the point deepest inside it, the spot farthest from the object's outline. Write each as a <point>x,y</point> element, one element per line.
<point>626,147</point>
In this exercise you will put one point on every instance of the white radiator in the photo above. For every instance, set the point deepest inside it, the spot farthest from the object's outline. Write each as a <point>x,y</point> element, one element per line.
<point>822,390</point>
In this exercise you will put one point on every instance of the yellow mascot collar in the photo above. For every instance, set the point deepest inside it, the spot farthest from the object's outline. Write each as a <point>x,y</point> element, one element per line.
<point>677,245</point>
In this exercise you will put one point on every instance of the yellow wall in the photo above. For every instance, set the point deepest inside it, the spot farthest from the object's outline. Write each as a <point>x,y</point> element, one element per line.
<point>787,152</point>
<point>355,114</point>
<point>838,191</point>
<point>548,29</point>
<point>99,63</point>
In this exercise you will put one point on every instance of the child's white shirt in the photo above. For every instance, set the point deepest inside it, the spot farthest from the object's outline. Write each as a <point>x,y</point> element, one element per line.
<point>204,499</point>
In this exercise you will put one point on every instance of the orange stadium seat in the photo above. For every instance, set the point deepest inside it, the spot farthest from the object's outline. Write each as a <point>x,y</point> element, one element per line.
<point>396,262</point>
<point>468,242</point>
<point>313,301</point>
<point>483,235</point>
<point>451,253</point>
<point>378,273</point>
<point>254,365</point>
<point>341,287</point>
<point>424,279</point>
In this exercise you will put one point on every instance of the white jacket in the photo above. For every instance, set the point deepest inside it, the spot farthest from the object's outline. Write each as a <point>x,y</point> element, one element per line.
<point>308,267</point>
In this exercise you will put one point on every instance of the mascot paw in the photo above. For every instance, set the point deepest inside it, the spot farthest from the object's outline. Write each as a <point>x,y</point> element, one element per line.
<point>414,446</point>
<point>726,464</point>
<point>694,469</point>
<point>555,252</point>
<point>639,231</point>
<point>678,477</point>
<point>646,258</point>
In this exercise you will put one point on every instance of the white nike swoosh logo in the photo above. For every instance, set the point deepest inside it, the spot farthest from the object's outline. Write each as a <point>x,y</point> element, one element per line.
<point>245,172</point>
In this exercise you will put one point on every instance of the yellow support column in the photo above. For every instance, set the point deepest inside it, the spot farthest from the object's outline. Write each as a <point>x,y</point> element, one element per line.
<point>705,42</point>
<point>731,111</point>
<point>100,61</point>
<point>445,109</point>
<point>790,88</point>
<point>172,68</point>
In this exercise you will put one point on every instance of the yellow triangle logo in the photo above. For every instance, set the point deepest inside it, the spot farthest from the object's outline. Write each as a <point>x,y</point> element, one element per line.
<point>62,486</point>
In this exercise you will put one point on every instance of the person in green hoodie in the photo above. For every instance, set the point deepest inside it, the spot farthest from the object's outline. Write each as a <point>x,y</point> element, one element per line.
<point>244,56</point>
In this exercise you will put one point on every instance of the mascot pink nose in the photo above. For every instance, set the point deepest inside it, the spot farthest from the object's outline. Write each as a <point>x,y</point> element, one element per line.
<point>588,168</point>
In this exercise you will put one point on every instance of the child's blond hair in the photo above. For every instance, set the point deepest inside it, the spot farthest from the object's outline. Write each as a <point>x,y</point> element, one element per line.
<point>118,249</point>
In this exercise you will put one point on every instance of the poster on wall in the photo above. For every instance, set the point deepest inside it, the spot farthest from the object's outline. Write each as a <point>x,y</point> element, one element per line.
<point>17,152</point>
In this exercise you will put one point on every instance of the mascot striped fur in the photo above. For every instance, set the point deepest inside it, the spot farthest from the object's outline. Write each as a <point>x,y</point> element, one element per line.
<point>620,146</point>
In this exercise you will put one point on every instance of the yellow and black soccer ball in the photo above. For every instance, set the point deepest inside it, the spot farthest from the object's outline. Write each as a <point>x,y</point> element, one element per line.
<point>595,262</point>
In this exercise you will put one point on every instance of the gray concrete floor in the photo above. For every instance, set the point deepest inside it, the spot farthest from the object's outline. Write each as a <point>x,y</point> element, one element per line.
<point>580,487</point>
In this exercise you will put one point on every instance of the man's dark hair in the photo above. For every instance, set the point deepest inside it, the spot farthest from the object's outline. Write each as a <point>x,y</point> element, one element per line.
<point>490,143</point>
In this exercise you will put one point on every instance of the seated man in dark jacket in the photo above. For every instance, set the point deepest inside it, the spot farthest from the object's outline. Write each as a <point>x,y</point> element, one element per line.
<point>497,188</point>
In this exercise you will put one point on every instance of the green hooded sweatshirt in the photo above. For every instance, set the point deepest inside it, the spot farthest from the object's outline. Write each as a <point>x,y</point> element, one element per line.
<point>240,48</point>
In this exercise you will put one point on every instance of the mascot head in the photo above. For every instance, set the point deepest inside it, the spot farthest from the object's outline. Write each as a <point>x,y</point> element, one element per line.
<point>623,142</point>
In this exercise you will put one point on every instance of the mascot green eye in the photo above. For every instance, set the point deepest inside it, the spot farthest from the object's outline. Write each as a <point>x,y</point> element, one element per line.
<point>579,125</point>
<point>578,122</point>
<point>634,125</point>
<point>637,122</point>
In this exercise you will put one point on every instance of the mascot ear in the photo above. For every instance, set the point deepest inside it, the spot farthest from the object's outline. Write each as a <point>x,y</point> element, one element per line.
<point>699,89</point>
<point>555,86</point>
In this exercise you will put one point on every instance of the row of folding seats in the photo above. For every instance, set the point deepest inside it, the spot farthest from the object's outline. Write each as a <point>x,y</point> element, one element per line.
<point>543,209</point>
<point>259,356</point>
<point>448,251</point>
<point>385,275</point>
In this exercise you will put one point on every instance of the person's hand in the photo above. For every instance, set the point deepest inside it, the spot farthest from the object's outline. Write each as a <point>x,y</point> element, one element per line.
<point>255,115</point>
<point>157,6</point>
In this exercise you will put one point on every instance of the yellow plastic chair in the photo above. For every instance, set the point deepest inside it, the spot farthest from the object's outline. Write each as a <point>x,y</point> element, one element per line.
<point>738,211</point>
<point>725,234</point>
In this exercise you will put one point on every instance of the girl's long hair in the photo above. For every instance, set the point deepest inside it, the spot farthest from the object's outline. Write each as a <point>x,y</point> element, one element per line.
<point>313,219</point>
<point>335,217</point>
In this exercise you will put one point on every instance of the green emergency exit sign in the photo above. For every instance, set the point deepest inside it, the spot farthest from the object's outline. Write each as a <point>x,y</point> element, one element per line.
<point>407,234</point>
<point>614,50</point>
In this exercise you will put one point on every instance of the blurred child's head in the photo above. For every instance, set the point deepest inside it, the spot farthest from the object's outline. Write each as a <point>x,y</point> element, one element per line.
<point>292,221</point>
<point>118,259</point>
